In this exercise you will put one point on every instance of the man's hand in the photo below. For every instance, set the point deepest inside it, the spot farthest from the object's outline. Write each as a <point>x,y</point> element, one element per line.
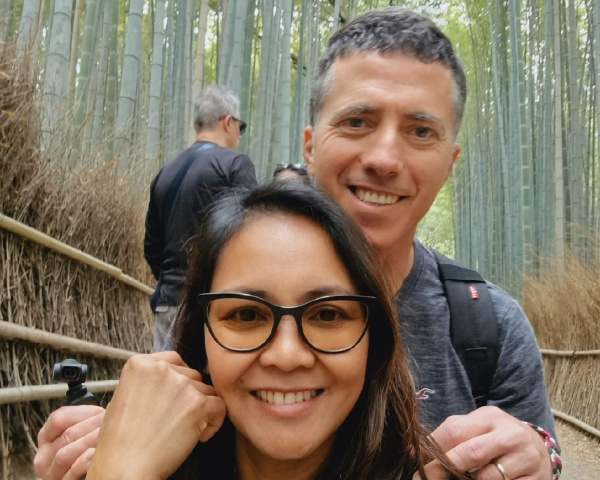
<point>67,442</point>
<point>478,441</point>
<point>158,414</point>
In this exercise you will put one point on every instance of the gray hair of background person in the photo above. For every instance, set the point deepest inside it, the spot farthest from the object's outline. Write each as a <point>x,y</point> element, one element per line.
<point>214,102</point>
<point>384,31</point>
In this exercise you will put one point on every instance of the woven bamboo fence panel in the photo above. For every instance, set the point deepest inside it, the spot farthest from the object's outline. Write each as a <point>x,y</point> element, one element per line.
<point>88,208</point>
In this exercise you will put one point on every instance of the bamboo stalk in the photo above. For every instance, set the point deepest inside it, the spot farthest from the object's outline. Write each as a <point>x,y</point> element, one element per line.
<point>29,393</point>
<point>569,353</point>
<point>47,241</point>
<point>576,422</point>
<point>12,331</point>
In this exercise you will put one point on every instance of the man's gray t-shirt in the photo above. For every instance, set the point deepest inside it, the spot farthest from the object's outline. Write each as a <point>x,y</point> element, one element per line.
<point>443,387</point>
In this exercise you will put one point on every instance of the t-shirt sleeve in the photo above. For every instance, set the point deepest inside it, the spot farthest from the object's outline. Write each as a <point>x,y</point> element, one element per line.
<point>518,386</point>
<point>244,174</point>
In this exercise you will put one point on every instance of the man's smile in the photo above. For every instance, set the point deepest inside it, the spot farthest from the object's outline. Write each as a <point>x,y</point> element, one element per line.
<point>373,197</point>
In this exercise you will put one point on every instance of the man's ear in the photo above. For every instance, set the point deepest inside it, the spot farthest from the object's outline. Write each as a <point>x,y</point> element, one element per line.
<point>226,120</point>
<point>455,153</point>
<point>308,149</point>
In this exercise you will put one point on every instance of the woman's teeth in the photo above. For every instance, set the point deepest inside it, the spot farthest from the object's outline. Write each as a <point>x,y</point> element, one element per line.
<point>280,398</point>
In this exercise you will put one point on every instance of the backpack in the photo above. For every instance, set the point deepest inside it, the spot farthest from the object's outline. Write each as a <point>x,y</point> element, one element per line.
<point>473,324</point>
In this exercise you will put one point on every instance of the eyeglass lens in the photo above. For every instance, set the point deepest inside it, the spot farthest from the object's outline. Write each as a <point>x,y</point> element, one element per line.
<point>245,324</point>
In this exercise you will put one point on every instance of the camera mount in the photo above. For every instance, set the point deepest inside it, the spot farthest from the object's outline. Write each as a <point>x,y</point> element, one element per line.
<point>74,374</point>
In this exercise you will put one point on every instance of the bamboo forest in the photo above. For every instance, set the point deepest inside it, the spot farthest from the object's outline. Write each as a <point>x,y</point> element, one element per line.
<point>120,76</point>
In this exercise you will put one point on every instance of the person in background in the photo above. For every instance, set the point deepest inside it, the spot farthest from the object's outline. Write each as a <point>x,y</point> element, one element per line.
<point>292,171</point>
<point>187,184</point>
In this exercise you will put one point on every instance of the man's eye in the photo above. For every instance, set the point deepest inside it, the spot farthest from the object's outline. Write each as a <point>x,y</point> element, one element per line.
<point>423,132</point>
<point>355,122</point>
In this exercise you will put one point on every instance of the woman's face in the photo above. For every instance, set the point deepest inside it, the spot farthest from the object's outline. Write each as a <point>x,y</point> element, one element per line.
<point>287,260</point>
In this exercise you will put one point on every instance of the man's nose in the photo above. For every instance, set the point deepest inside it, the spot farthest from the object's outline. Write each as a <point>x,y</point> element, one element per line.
<point>287,351</point>
<point>383,155</point>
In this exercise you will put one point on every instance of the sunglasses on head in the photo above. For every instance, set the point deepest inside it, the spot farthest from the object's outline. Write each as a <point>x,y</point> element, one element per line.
<point>295,167</point>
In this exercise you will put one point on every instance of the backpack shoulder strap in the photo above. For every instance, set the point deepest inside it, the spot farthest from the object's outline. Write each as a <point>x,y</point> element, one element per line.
<point>473,324</point>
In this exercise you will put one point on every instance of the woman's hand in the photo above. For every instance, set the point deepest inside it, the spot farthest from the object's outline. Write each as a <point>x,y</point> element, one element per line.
<point>159,412</point>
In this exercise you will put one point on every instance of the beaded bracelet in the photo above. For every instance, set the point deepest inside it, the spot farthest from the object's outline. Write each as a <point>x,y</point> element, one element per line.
<point>553,450</point>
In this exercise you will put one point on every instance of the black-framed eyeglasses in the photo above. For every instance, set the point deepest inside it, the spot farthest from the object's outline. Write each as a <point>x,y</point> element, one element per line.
<point>243,125</point>
<point>244,323</point>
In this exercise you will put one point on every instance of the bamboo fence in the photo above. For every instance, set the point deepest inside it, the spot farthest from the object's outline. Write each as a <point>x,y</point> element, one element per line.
<point>47,295</point>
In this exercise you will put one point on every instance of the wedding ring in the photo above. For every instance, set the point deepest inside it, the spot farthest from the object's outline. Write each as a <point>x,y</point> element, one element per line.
<point>500,468</point>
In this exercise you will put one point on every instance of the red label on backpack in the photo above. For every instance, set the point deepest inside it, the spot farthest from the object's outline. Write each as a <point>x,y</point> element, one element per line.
<point>474,292</point>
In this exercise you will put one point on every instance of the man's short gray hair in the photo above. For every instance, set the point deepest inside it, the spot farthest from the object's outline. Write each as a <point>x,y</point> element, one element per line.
<point>385,31</point>
<point>214,101</point>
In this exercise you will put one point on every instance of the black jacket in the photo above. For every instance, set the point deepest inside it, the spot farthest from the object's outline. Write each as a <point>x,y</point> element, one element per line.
<point>168,227</point>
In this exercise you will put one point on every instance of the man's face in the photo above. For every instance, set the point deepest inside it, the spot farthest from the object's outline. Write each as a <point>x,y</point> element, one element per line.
<point>384,142</point>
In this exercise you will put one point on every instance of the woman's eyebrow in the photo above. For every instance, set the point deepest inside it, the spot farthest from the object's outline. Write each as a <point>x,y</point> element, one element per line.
<point>324,291</point>
<point>304,297</point>
<point>248,291</point>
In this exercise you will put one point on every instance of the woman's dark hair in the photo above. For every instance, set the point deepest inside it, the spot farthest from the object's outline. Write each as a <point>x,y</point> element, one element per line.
<point>381,438</point>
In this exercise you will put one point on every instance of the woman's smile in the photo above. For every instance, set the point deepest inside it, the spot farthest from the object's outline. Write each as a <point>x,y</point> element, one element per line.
<point>287,405</point>
<point>286,398</point>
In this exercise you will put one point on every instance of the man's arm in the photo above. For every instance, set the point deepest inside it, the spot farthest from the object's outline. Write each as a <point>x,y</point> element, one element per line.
<point>243,172</point>
<point>154,239</point>
<point>518,386</point>
<point>67,441</point>
<point>489,436</point>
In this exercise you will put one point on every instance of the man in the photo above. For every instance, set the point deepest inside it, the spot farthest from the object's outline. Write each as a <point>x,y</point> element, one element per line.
<point>386,106</point>
<point>187,184</point>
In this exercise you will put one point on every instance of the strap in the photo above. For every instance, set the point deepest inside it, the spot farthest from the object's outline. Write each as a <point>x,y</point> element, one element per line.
<point>473,324</point>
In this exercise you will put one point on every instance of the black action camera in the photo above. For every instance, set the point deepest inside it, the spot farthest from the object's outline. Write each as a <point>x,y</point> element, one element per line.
<point>73,373</point>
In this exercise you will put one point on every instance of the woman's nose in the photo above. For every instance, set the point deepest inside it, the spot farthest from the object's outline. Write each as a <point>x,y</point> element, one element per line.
<point>287,351</point>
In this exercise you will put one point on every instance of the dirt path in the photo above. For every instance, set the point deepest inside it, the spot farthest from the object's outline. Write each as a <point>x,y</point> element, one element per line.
<point>580,453</point>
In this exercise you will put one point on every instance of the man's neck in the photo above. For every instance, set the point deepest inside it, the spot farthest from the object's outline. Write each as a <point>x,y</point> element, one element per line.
<point>212,136</point>
<point>397,263</point>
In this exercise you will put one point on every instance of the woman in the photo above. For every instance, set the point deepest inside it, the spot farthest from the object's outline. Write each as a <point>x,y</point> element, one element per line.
<point>318,391</point>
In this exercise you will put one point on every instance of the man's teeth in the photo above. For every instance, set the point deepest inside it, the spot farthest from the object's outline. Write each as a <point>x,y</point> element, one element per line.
<point>280,398</point>
<point>374,197</point>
